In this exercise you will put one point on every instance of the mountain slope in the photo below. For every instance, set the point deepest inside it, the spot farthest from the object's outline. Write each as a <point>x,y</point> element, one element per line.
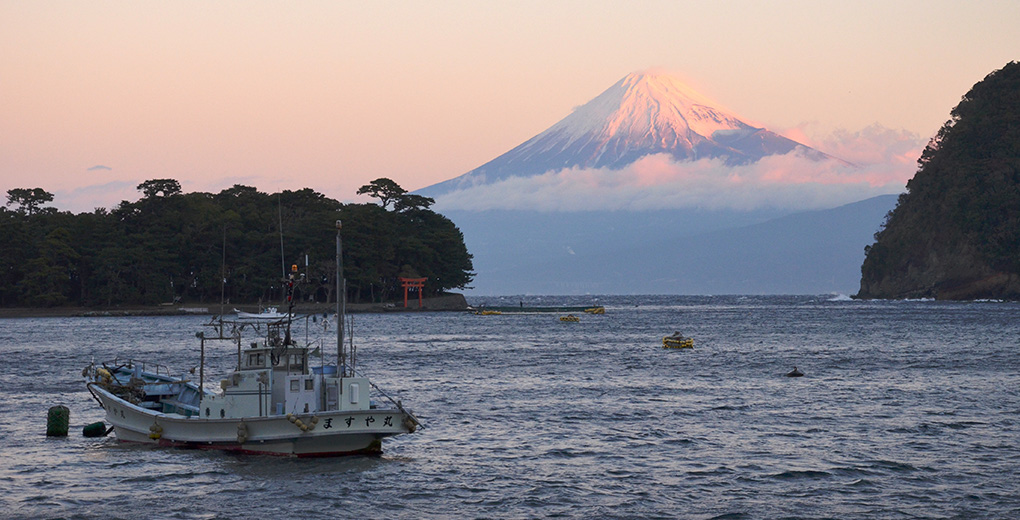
<point>671,252</point>
<point>642,114</point>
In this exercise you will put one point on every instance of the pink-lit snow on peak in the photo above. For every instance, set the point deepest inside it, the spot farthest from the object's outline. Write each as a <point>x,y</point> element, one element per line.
<point>648,105</point>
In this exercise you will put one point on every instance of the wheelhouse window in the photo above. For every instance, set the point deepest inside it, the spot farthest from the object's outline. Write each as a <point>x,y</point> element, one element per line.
<point>297,362</point>
<point>256,360</point>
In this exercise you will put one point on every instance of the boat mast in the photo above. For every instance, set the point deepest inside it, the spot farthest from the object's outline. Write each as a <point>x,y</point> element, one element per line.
<point>341,303</point>
<point>279,215</point>
<point>223,272</point>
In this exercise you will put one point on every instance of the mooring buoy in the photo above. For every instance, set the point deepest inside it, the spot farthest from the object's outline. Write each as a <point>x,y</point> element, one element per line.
<point>96,429</point>
<point>57,421</point>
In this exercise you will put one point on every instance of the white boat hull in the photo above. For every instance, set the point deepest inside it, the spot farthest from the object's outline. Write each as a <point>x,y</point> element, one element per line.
<point>319,434</point>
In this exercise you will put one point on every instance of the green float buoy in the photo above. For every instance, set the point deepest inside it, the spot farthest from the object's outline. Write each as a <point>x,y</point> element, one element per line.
<point>57,421</point>
<point>96,429</point>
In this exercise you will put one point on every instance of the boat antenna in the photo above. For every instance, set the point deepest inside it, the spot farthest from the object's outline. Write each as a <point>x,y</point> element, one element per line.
<point>223,273</point>
<point>289,283</point>
<point>341,303</point>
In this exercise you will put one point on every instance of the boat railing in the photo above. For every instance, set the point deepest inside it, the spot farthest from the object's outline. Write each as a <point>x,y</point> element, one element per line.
<point>146,366</point>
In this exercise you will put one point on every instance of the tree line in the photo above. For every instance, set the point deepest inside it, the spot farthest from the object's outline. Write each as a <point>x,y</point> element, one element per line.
<point>236,246</point>
<point>958,224</point>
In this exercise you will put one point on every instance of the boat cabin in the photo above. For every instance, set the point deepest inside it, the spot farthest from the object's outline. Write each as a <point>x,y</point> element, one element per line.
<point>274,379</point>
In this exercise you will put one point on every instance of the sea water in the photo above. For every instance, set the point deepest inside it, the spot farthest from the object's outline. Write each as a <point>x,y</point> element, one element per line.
<point>906,410</point>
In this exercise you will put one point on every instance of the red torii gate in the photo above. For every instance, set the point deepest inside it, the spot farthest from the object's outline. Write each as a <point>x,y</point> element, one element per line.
<point>416,283</point>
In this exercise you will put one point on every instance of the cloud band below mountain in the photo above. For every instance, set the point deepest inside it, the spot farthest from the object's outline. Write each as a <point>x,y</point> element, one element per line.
<point>885,160</point>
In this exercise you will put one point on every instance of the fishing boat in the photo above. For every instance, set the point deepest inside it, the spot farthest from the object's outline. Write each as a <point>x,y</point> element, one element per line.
<point>273,402</point>
<point>570,318</point>
<point>677,340</point>
<point>267,314</point>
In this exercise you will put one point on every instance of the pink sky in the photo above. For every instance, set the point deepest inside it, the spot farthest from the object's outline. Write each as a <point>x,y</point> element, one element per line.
<point>96,97</point>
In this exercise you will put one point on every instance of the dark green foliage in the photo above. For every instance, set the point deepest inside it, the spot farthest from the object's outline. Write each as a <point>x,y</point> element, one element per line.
<point>155,187</point>
<point>960,218</point>
<point>28,200</point>
<point>388,191</point>
<point>171,246</point>
<point>383,189</point>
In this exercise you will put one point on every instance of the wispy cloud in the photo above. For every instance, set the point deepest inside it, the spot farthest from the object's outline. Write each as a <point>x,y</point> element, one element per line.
<point>99,167</point>
<point>883,162</point>
<point>88,198</point>
<point>873,145</point>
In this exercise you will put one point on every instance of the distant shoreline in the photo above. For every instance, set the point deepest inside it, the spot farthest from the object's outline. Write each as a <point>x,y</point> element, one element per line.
<point>448,302</point>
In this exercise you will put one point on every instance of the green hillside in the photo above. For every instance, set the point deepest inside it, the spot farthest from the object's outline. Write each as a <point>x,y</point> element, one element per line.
<point>955,233</point>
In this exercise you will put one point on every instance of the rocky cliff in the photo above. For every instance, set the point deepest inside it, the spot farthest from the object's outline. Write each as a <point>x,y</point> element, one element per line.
<point>955,233</point>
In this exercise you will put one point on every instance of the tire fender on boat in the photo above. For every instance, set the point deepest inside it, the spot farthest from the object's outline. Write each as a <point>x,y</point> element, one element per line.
<point>242,432</point>
<point>410,424</point>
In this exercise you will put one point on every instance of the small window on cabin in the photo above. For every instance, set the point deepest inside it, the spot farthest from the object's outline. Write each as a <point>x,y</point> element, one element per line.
<point>295,385</point>
<point>256,360</point>
<point>309,384</point>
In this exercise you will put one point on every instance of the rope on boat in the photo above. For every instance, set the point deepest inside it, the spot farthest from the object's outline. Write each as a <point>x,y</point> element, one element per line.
<point>398,404</point>
<point>88,386</point>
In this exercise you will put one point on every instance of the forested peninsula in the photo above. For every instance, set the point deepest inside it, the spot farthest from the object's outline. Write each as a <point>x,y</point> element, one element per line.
<point>955,233</point>
<point>235,246</point>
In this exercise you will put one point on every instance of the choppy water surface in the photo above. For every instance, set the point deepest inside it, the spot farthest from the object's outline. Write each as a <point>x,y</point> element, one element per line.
<point>907,410</point>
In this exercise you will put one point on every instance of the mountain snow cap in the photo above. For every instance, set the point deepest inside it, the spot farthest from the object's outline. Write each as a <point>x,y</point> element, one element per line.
<point>651,108</point>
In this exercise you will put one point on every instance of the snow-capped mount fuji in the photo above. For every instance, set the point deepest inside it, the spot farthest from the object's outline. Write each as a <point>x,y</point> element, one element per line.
<point>645,113</point>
